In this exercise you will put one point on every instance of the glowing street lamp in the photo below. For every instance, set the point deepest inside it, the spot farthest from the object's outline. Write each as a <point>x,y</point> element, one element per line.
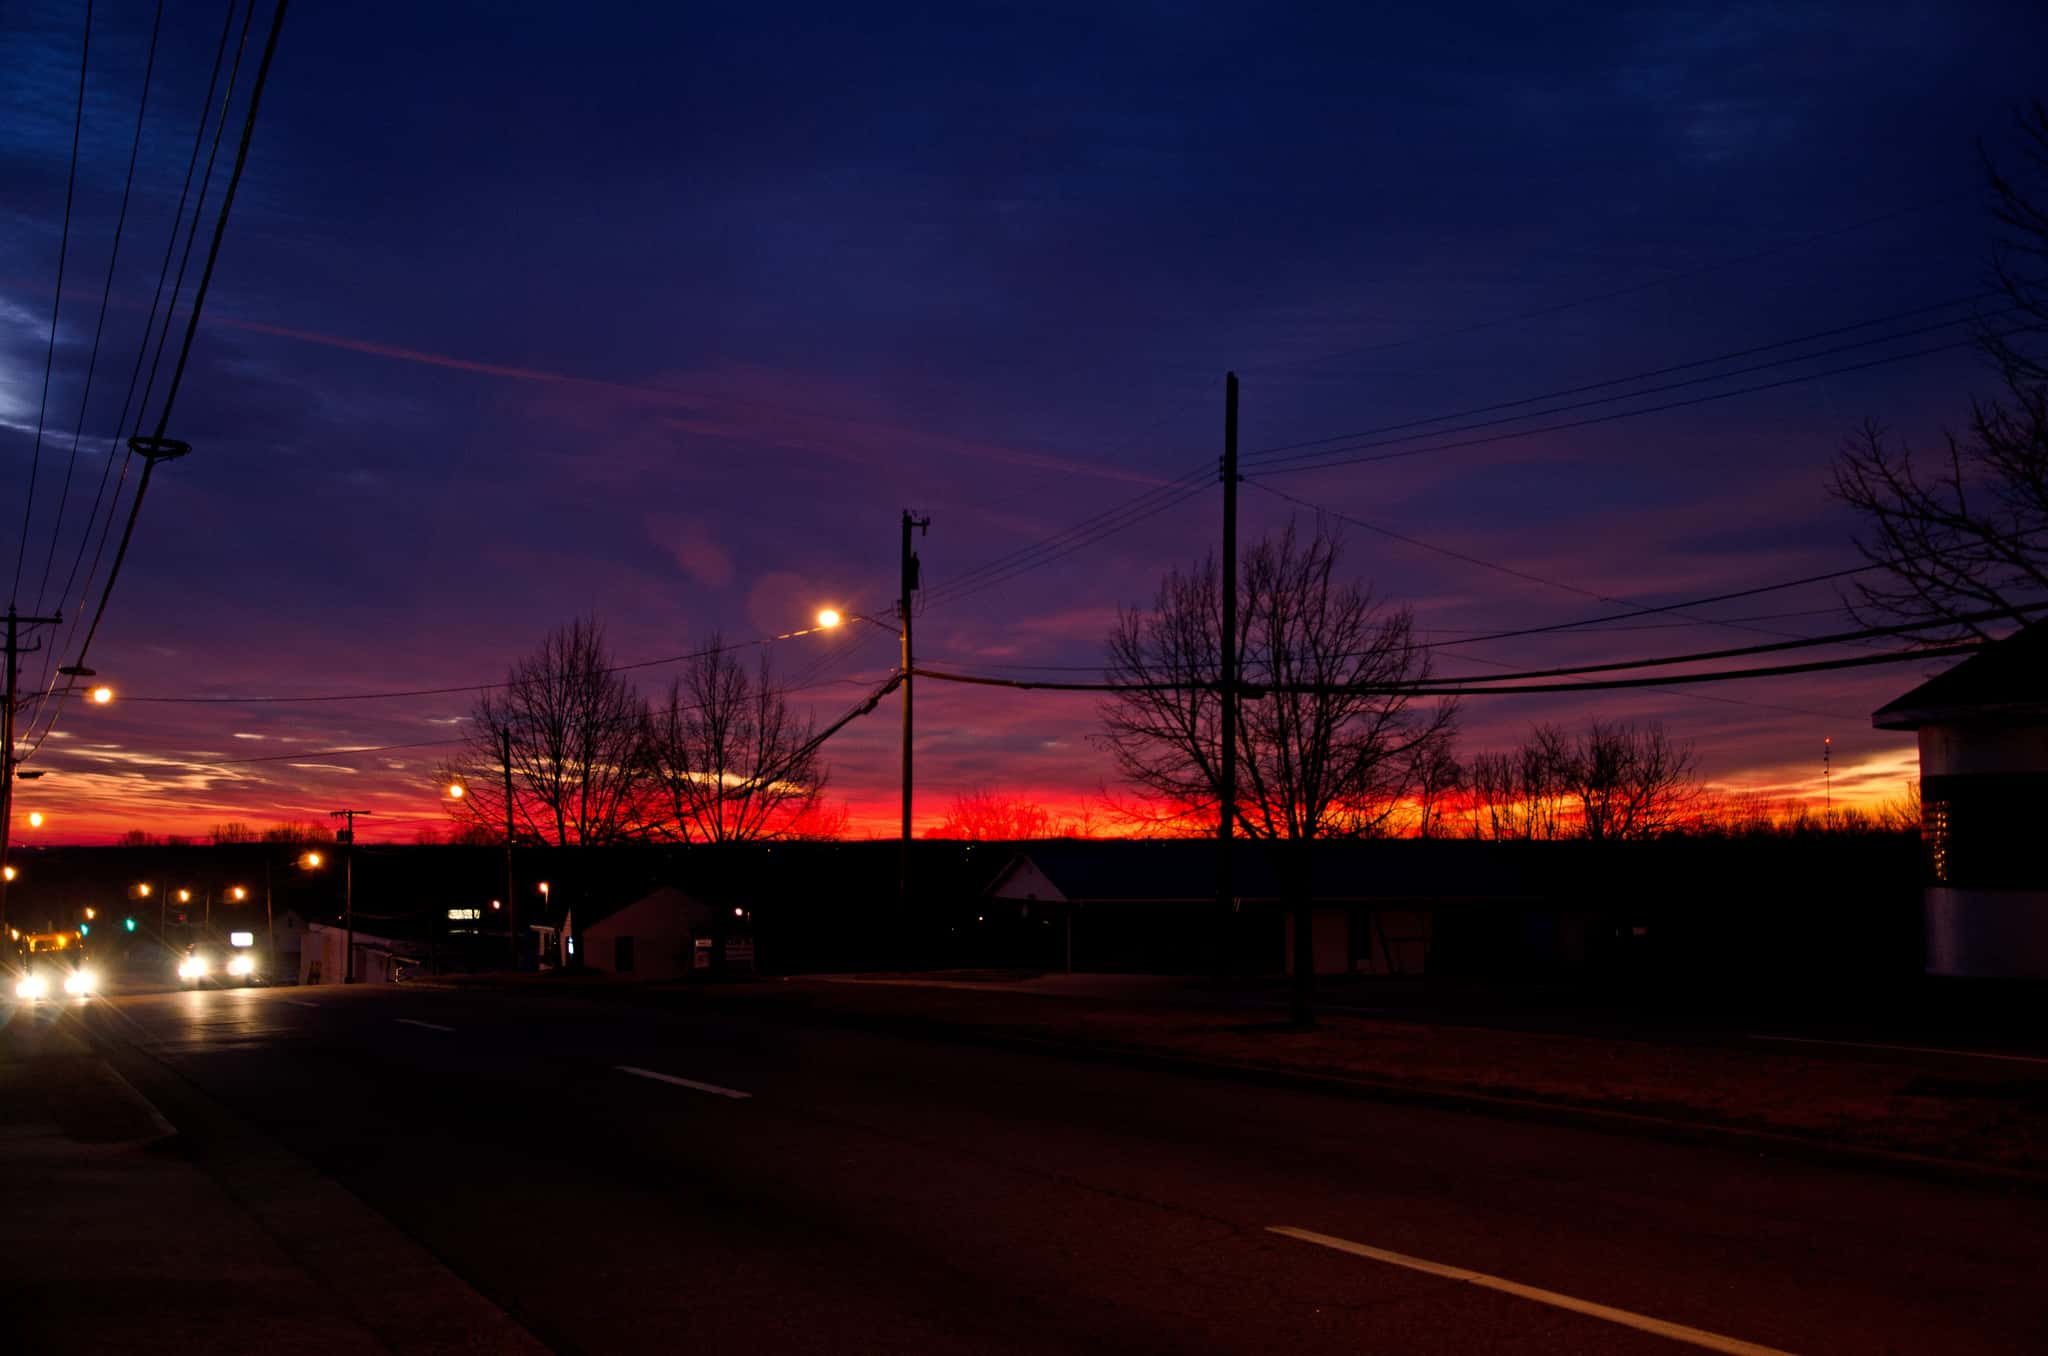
<point>829,617</point>
<point>102,694</point>
<point>456,790</point>
<point>184,896</point>
<point>142,890</point>
<point>9,872</point>
<point>311,861</point>
<point>238,894</point>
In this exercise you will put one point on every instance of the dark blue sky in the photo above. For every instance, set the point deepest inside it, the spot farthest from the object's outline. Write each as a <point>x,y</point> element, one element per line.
<point>666,313</point>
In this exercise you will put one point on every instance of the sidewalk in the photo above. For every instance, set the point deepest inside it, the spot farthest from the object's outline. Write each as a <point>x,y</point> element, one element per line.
<point>115,1242</point>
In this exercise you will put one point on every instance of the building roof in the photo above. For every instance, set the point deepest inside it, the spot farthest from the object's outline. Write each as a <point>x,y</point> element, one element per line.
<point>2007,679</point>
<point>1184,870</point>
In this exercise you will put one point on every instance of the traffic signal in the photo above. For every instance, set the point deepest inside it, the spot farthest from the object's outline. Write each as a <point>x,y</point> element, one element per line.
<point>85,929</point>
<point>128,923</point>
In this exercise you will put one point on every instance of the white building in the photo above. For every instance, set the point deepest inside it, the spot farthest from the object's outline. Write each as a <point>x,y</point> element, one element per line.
<point>1983,729</point>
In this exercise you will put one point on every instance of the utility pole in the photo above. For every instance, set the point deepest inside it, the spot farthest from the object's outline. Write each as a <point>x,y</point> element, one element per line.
<point>269,923</point>
<point>1827,774</point>
<point>348,889</point>
<point>1226,816</point>
<point>8,704</point>
<point>910,582</point>
<point>511,894</point>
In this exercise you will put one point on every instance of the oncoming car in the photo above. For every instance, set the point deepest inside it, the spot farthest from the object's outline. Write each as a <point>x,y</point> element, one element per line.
<point>210,965</point>
<point>53,967</point>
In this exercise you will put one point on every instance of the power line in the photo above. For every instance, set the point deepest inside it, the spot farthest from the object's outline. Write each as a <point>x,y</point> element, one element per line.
<point>28,501</point>
<point>1718,698</point>
<point>1683,276</point>
<point>1431,688</point>
<point>1668,369</point>
<point>48,682</point>
<point>100,324</point>
<point>452,690</point>
<point>198,299</point>
<point>1116,518</point>
<point>1341,460</point>
<point>1799,643</point>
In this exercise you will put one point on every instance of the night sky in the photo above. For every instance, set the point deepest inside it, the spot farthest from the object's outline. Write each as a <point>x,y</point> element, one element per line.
<point>666,314</point>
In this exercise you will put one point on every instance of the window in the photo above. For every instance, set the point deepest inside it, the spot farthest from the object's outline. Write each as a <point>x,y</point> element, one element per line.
<point>1934,834</point>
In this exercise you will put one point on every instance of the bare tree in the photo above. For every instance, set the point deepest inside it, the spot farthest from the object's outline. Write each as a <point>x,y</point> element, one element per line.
<point>730,762</point>
<point>990,816</point>
<point>1330,738</point>
<point>1629,781</point>
<point>1964,532</point>
<point>1438,776</point>
<point>1521,796</point>
<point>575,739</point>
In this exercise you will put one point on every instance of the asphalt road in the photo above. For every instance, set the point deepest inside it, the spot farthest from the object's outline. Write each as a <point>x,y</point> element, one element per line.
<point>621,1179</point>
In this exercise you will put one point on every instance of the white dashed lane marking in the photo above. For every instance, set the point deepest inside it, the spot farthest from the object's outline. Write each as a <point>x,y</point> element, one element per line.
<point>711,1088</point>
<point>1677,1332</point>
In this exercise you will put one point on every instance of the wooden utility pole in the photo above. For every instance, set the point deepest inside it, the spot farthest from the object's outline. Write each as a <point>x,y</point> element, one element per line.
<point>348,890</point>
<point>511,895</point>
<point>8,703</point>
<point>910,573</point>
<point>1226,812</point>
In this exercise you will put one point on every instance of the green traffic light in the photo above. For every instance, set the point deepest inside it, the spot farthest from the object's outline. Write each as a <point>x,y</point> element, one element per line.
<point>85,929</point>
<point>129,923</point>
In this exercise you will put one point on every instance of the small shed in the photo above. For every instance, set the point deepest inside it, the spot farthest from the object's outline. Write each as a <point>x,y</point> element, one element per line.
<point>665,934</point>
<point>1983,732</point>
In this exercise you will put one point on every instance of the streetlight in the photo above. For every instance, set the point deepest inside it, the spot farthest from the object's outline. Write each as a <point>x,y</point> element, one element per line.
<point>830,618</point>
<point>102,694</point>
<point>238,894</point>
<point>311,861</point>
<point>184,896</point>
<point>456,790</point>
<point>142,890</point>
<point>9,872</point>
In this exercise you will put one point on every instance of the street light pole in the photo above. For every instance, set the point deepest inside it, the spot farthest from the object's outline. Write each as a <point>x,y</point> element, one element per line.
<point>511,893</point>
<point>909,581</point>
<point>348,890</point>
<point>8,703</point>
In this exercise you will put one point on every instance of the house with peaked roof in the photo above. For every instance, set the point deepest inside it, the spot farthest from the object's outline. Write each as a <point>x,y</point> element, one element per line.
<point>1379,907</point>
<point>1983,732</point>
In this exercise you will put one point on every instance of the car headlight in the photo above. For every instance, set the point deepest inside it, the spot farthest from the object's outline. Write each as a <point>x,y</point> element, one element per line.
<point>78,981</point>
<point>242,965</point>
<point>191,968</point>
<point>31,986</point>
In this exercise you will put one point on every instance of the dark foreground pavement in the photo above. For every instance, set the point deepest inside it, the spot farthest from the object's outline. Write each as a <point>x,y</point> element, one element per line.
<point>625,1179</point>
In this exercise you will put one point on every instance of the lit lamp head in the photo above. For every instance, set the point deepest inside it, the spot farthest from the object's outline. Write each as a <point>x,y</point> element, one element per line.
<point>312,860</point>
<point>238,894</point>
<point>184,896</point>
<point>829,617</point>
<point>456,790</point>
<point>102,694</point>
<point>9,872</point>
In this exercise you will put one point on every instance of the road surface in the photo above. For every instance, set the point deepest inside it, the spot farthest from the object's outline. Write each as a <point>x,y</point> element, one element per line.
<point>621,1179</point>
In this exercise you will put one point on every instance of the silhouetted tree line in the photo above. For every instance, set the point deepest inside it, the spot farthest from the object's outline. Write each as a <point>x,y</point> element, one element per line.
<point>718,757</point>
